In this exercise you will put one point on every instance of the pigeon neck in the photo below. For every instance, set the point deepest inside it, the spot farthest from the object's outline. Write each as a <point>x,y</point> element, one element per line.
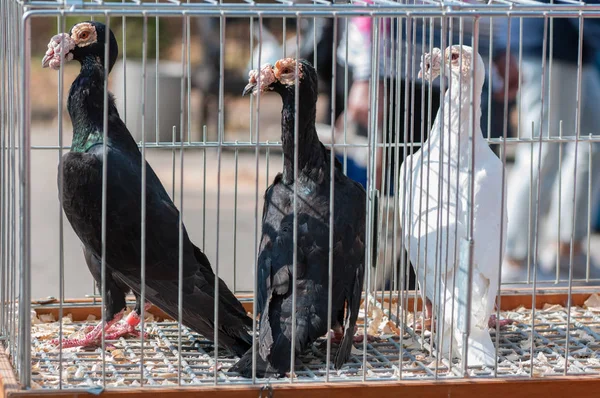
<point>86,105</point>
<point>459,90</point>
<point>457,117</point>
<point>310,150</point>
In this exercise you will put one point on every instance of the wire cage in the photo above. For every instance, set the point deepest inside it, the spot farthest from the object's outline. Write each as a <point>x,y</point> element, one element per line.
<point>178,80</point>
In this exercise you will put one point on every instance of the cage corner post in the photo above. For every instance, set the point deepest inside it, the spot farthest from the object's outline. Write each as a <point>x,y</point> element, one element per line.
<point>24,350</point>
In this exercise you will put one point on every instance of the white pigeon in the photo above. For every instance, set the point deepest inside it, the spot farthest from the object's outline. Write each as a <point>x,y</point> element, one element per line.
<point>434,192</point>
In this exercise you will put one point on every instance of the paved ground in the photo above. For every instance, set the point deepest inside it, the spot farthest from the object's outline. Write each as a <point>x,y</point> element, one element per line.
<point>46,213</point>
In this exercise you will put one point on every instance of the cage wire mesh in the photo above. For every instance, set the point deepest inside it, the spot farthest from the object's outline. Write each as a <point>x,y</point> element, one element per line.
<point>178,81</point>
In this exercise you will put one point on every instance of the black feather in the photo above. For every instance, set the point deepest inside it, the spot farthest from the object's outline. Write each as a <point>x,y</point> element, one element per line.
<point>275,262</point>
<point>82,203</point>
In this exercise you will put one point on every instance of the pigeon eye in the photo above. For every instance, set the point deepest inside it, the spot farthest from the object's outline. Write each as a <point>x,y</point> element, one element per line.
<point>454,56</point>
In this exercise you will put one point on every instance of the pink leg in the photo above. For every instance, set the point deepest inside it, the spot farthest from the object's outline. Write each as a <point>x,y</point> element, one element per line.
<point>132,320</point>
<point>88,329</point>
<point>124,330</point>
<point>429,324</point>
<point>92,338</point>
<point>428,309</point>
<point>493,321</point>
<point>338,335</point>
<point>361,337</point>
<point>219,367</point>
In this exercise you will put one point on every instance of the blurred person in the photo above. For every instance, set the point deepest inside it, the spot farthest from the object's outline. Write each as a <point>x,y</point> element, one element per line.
<point>359,61</point>
<point>561,189</point>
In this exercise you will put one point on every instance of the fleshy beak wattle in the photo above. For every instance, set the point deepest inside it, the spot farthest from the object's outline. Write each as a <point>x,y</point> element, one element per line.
<point>59,51</point>
<point>430,65</point>
<point>265,76</point>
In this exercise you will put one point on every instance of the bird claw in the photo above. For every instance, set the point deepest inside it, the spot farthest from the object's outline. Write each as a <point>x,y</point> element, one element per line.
<point>128,327</point>
<point>93,337</point>
<point>138,334</point>
<point>124,331</point>
<point>427,323</point>
<point>361,337</point>
<point>337,335</point>
<point>69,343</point>
<point>219,367</point>
<point>493,321</point>
<point>88,329</point>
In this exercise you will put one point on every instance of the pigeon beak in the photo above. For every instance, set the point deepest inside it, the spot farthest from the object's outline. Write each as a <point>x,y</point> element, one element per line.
<point>428,73</point>
<point>248,89</point>
<point>46,60</point>
<point>425,71</point>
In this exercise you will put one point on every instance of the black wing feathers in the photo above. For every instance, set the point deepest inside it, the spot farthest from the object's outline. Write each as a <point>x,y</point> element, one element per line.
<point>275,270</point>
<point>82,204</point>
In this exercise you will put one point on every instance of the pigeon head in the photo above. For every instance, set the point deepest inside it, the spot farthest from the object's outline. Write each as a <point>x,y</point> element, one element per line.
<point>458,60</point>
<point>85,42</point>
<point>281,78</point>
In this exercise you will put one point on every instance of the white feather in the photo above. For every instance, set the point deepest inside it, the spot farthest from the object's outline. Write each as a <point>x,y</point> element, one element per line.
<point>434,192</point>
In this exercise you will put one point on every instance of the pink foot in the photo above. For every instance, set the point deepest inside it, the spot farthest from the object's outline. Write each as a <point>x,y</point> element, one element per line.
<point>219,367</point>
<point>123,331</point>
<point>493,321</point>
<point>92,338</point>
<point>361,337</point>
<point>338,335</point>
<point>428,325</point>
<point>132,320</point>
<point>88,329</point>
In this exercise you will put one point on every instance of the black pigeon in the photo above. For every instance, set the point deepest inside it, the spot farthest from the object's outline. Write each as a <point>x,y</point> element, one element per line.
<point>82,204</point>
<point>275,264</point>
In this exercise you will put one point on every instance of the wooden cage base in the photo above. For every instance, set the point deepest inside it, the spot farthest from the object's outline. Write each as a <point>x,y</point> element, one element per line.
<point>559,386</point>
<point>82,308</point>
<point>530,388</point>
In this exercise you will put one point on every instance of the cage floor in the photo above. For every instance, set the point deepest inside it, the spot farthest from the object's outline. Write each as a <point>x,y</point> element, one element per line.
<point>123,358</point>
